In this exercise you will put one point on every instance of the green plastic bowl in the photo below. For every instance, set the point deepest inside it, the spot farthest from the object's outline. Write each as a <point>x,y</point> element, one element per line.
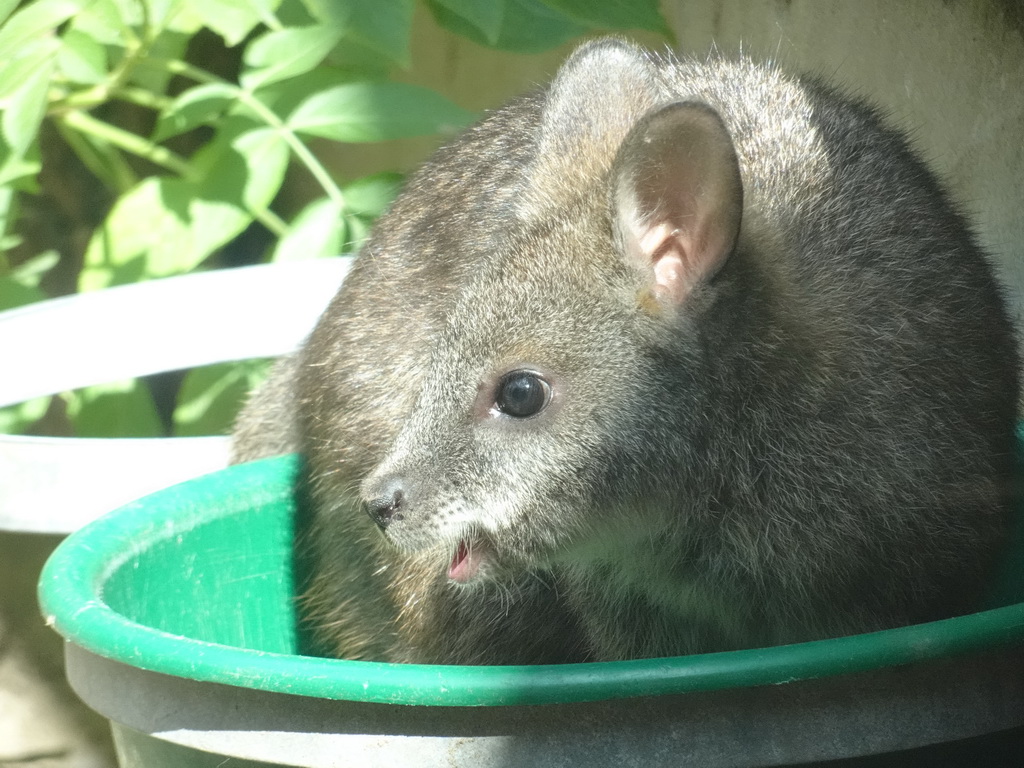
<point>189,592</point>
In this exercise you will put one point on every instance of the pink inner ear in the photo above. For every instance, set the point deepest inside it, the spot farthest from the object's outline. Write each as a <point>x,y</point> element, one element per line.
<point>669,277</point>
<point>678,197</point>
<point>664,247</point>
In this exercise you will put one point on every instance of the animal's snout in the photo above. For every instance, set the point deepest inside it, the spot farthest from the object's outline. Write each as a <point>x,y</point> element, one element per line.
<point>387,503</point>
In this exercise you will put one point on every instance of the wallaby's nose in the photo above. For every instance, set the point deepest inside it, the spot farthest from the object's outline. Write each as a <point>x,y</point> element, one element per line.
<point>386,508</point>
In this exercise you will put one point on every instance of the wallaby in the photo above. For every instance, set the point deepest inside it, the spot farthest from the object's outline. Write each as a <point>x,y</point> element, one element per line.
<point>667,357</point>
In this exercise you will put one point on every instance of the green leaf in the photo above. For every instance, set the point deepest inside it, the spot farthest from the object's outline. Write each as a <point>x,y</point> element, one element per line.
<point>31,58</point>
<point>370,196</point>
<point>293,13</point>
<point>369,111</point>
<point>6,7</point>
<point>148,234</point>
<point>383,26</point>
<point>19,169</point>
<point>615,14</point>
<point>266,158</point>
<point>20,285</point>
<point>315,232</point>
<point>360,61</point>
<point>267,11</point>
<point>33,22</point>
<point>486,15</point>
<point>527,26</point>
<point>201,105</point>
<point>282,98</point>
<point>114,409</point>
<point>211,397</point>
<point>162,227</point>
<point>14,294</point>
<point>289,52</point>
<point>532,26</point>
<point>243,165</point>
<point>30,273</point>
<point>15,419</point>
<point>81,58</point>
<point>183,17</point>
<point>357,232</point>
<point>8,215</point>
<point>233,20</point>
<point>106,21</point>
<point>169,45</point>
<point>365,200</point>
<point>24,111</point>
<point>168,226</point>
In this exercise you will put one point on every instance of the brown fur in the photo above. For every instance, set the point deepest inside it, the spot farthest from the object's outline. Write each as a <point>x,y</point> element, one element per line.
<point>782,382</point>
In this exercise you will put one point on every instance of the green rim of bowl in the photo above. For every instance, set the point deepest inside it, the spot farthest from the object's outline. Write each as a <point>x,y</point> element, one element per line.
<point>71,600</point>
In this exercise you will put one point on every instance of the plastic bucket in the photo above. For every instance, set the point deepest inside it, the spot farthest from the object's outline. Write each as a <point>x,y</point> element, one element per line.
<point>178,613</point>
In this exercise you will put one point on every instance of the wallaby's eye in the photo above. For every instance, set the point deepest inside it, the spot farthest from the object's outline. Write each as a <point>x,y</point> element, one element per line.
<point>522,394</point>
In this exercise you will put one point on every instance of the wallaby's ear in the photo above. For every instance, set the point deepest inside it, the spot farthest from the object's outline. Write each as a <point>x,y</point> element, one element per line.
<point>597,97</point>
<point>677,197</point>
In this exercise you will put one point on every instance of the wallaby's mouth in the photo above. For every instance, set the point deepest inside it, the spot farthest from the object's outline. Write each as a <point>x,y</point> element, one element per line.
<point>469,556</point>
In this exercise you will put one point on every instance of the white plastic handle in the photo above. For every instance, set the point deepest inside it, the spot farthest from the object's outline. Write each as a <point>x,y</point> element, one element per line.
<point>54,485</point>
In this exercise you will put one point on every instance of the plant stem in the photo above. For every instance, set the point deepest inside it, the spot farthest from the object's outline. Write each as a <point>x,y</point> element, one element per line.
<point>103,160</point>
<point>297,146</point>
<point>100,94</point>
<point>90,126</point>
<point>142,98</point>
<point>135,51</point>
<point>130,142</point>
<point>270,220</point>
<point>268,116</point>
